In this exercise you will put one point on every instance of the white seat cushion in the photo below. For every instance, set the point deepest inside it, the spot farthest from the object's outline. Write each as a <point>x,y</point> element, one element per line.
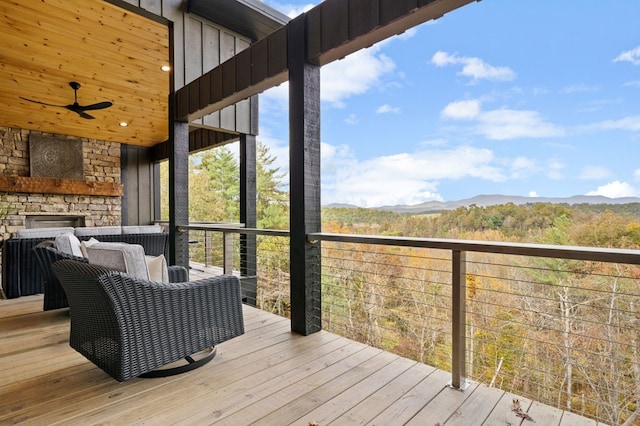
<point>141,229</point>
<point>42,232</point>
<point>69,243</point>
<point>83,231</point>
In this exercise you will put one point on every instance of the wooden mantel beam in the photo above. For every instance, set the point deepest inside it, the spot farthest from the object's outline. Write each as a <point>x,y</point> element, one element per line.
<point>334,29</point>
<point>38,185</point>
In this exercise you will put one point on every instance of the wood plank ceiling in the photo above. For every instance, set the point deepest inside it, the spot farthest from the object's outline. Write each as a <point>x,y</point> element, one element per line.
<point>116,56</point>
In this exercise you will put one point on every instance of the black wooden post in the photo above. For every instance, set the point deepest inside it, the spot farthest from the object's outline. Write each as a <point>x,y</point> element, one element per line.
<point>178,173</point>
<point>304,167</point>
<point>179,194</point>
<point>248,261</point>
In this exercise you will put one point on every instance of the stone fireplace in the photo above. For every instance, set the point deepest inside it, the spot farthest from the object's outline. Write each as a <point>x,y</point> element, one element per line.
<point>53,221</point>
<point>44,202</point>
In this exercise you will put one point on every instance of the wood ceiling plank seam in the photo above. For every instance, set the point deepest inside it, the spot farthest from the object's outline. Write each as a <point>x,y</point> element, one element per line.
<point>109,15</point>
<point>75,45</point>
<point>32,38</point>
<point>57,85</point>
<point>147,53</point>
<point>69,69</point>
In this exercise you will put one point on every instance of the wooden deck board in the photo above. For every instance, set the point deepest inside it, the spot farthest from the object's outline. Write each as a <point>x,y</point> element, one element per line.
<point>268,376</point>
<point>378,401</point>
<point>476,408</point>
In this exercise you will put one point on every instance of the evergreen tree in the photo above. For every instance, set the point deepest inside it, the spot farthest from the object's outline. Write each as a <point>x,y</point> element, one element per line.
<point>222,172</point>
<point>272,203</point>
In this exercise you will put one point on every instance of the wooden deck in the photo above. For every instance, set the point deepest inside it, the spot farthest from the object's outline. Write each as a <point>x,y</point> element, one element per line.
<point>268,376</point>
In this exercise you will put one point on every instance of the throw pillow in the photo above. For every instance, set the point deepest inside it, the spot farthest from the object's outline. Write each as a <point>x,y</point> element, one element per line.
<point>69,243</point>
<point>157,266</point>
<point>84,244</point>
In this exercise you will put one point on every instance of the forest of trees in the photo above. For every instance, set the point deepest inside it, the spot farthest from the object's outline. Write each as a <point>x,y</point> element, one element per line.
<point>562,332</point>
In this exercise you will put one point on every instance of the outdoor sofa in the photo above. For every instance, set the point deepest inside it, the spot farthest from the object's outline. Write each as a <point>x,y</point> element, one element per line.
<point>21,275</point>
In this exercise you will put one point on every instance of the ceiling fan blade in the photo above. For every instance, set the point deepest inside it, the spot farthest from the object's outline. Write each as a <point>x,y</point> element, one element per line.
<point>75,107</point>
<point>99,105</point>
<point>80,112</point>
<point>42,103</point>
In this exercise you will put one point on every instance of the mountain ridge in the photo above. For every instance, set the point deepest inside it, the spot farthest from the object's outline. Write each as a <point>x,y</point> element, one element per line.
<point>485,200</point>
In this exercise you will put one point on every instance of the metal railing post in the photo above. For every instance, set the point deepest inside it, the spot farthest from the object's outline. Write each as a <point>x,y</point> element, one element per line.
<point>207,248</point>
<point>459,320</point>
<point>227,252</point>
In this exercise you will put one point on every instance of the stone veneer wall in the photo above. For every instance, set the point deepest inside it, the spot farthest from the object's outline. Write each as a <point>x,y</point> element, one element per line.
<point>101,161</point>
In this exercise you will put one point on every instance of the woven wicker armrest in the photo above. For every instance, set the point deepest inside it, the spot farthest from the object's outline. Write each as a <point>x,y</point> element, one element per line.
<point>178,274</point>
<point>129,326</point>
<point>46,255</point>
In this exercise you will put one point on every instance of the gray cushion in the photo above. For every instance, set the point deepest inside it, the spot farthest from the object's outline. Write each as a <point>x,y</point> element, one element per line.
<point>84,244</point>
<point>42,232</point>
<point>141,229</point>
<point>68,243</point>
<point>121,257</point>
<point>84,231</point>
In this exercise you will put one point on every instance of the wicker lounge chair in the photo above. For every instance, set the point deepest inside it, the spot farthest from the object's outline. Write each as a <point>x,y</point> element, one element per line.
<point>131,327</point>
<point>46,255</point>
<point>54,296</point>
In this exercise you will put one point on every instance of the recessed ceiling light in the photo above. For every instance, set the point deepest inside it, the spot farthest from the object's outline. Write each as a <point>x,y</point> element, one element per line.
<point>123,124</point>
<point>166,68</point>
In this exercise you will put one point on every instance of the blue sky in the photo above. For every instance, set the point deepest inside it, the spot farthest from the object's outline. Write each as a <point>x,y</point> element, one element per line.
<point>515,97</point>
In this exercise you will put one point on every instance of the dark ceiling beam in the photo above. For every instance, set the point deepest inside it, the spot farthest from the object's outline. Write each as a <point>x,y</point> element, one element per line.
<point>199,139</point>
<point>335,29</point>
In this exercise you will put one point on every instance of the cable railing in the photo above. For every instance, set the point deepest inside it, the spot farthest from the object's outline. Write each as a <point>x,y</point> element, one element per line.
<point>217,247</point>
<point>560,325</point>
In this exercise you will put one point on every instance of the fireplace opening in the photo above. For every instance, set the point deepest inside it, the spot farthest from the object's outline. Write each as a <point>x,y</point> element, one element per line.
<point>53,221</point>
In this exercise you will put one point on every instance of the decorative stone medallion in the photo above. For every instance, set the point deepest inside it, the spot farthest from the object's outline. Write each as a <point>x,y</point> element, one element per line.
<point>55,157</point>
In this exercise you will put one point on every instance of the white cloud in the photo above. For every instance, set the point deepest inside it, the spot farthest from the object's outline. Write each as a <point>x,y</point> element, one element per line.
<point>407,178</point>
<point>354,75</point>
<point>522,167</point>
<point>555,169</point>
<point>533,194</point>
<point>473,67</point>
<point>630,123</point>
<point>632,56</point>
<point>386,109</point>
<point>636,174</point>
<point>351,120</point>
<point>594,173</point>
<point>461,110</point>
<point>580,88</point>
<point>291,10</point>
<point>434,142</point>
<point>501,124</point>
<point>616,189</point>
<point>409,34</point>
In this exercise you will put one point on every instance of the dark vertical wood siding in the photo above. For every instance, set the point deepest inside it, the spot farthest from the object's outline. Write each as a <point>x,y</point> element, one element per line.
<point>137,179</point>
<point>200,46</point>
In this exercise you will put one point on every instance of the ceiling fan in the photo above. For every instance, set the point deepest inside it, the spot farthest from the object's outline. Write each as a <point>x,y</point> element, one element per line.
<point>75,106</point>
